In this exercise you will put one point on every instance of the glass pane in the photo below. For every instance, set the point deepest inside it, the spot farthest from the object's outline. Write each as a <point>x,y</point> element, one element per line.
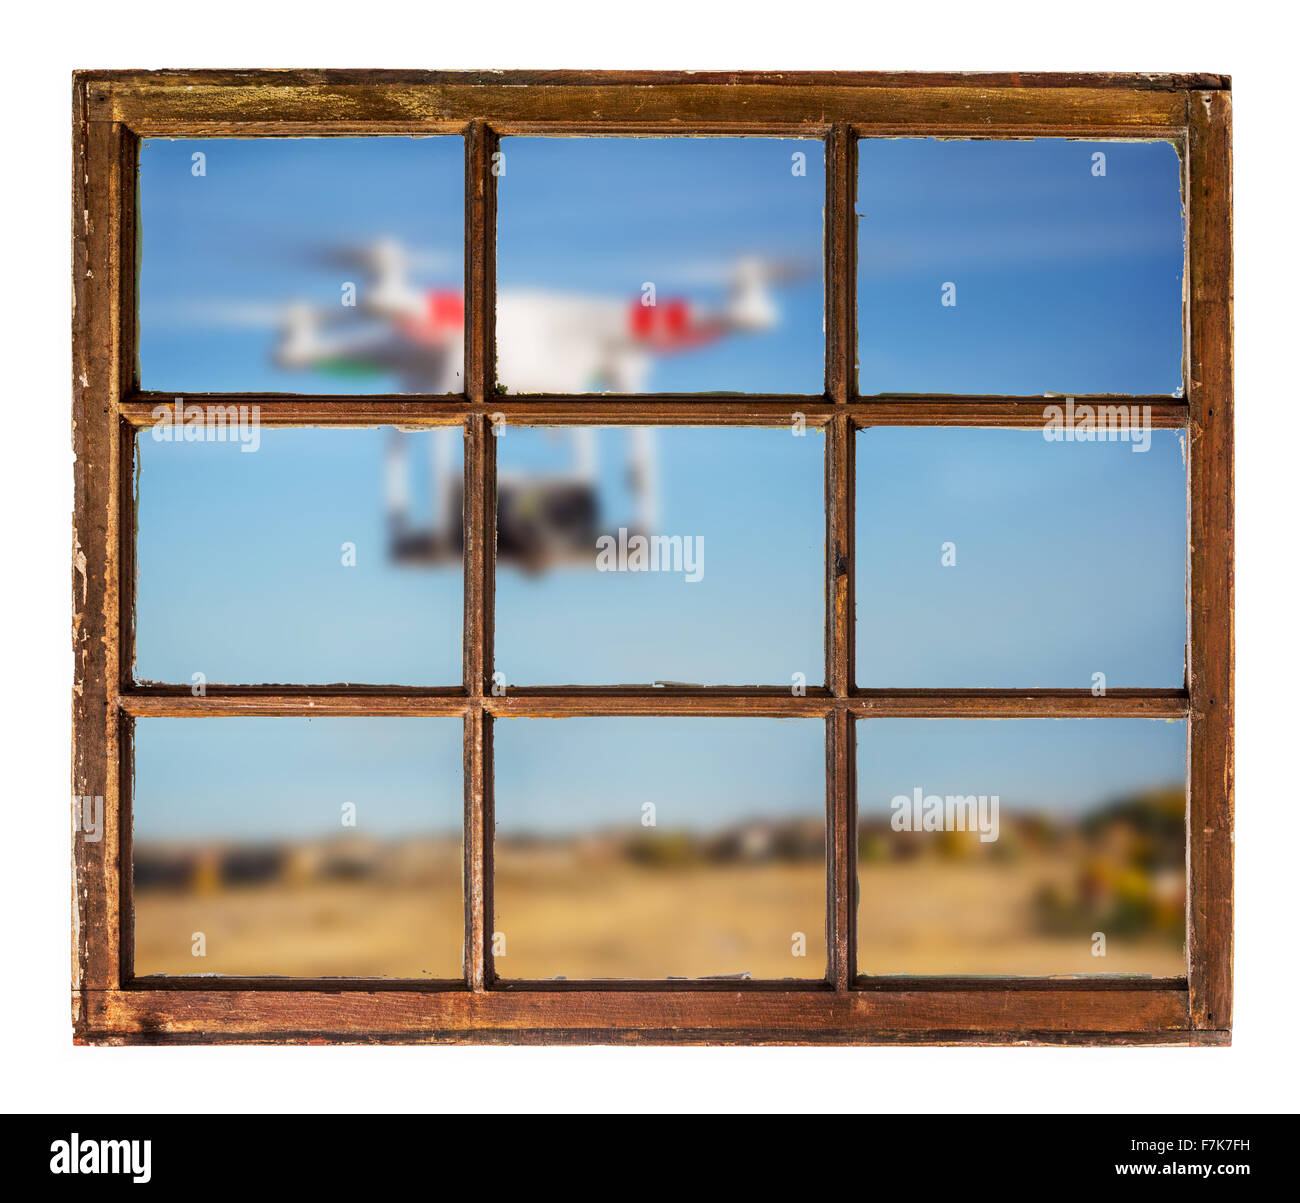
<point>660,265</point>
<point>633,556</point>
<point>664,847</point>
<point>993,558</point>
<point>1019,267</point>
<point>298,847</point>
<point>327,555</point>
<point>1025,847</point>
<point>307,265</point>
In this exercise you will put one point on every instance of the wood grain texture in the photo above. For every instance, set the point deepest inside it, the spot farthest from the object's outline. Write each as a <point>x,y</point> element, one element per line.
<point>399,77</point>
<point>176,701</point>
<point>1011,412</point>
<point>840,578</point>
<point>1210,568</point>
<point>841,832</point>
<point>97,240</point>
<point>208,103</point>
<point>596,1016</point>
<point>841,849</point>
<point>841,264</point>
<point>698,702</point>
<point>302,701</point>
<point>480,545</point>
<point>604,410</point>
<point>685,409</point>
<point>124,882</point>
<point>1019,703</point>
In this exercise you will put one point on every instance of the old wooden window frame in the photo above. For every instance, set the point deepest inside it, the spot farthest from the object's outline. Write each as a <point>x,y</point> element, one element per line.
<point>113,111</point>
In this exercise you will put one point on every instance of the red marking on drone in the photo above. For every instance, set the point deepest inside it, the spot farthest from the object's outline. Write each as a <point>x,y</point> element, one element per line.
<point>670,326</point>
<point>444,316</point>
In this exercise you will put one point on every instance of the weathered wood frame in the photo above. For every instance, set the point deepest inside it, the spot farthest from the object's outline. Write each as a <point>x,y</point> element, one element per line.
<point>112,111</point>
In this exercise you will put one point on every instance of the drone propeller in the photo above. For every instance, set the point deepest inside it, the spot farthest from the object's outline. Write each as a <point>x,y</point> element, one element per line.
<point>787,271</point>
<point>768,270</point>
<point>750,306</point>
<point>257,315</point>
<point>384,255</point>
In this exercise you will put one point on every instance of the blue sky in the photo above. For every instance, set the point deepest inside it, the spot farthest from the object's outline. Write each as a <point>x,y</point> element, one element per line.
<point>603,215</point>
<point>589,216</point>
<point>241,573</point>
<point>1065,281</point>
<point>1070,560</point>
<point>288,778</point>
<point>755,497</point>
<point>222,252</point>
<point>592,774</point>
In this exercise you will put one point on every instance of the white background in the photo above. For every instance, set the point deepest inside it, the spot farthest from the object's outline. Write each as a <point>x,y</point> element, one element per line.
<point>44,43</point>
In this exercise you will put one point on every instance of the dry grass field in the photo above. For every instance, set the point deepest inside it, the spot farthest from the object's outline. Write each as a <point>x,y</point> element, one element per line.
<point>328,929</point>
<point>565,912</point>
<point>935,917</point>
<point>567,916</point>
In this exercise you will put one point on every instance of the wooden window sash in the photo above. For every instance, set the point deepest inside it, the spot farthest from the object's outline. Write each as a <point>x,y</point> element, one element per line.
<point>113,111</point>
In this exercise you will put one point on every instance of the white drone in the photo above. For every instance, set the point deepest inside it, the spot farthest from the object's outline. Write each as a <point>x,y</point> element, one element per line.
<point>547,342</point>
